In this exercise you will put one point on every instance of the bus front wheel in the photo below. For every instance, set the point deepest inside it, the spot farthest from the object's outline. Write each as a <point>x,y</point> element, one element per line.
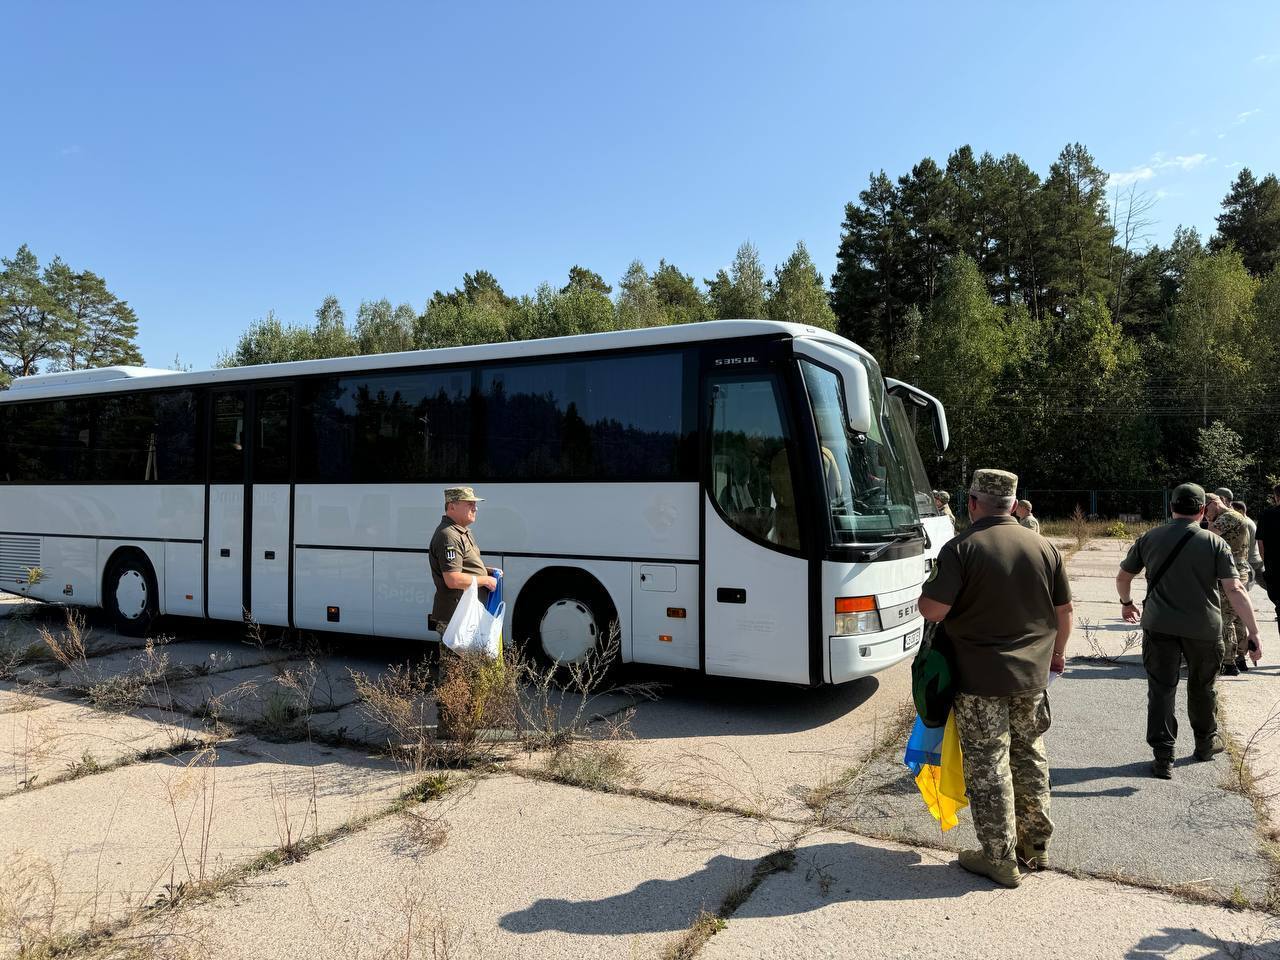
<point>129,594</point>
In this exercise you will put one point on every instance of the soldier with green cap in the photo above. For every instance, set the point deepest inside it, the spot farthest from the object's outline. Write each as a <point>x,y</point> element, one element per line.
<point>455,558</point>
<point>1182,620</point>
<point>455,563</point>
<point>1002,591</point>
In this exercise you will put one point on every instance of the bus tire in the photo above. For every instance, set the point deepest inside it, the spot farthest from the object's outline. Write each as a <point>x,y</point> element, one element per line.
<point>567,619</point>
<point>129,593</point>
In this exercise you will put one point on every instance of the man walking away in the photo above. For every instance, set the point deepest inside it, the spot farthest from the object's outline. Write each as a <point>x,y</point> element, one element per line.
<point>1255,558</point>
<point>1230,526</point>
<point>1003,593</point>
<point>1269,532</point>
<point>1023,512</point>
<point>1181,620</point>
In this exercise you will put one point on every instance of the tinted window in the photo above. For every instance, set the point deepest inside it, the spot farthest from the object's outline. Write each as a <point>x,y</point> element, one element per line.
<point>751,477</point>
<point>271,440</point>
<point>49,442</point>
<point>115,438</point>
<point>385,427</point>
<point>227,458</point>
<point>611,418</point>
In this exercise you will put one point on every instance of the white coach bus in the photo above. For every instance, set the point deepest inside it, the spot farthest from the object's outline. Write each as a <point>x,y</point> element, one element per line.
<point>743,497</point>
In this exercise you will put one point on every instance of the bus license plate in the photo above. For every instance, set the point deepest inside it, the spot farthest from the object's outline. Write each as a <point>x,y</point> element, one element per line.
<point>912,639</point>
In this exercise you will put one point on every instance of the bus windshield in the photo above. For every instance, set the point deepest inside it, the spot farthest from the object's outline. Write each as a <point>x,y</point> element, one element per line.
<point>925,503</point>
<point>869,490</point>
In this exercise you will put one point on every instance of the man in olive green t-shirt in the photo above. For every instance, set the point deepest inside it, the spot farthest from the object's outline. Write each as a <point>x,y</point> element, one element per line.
<point>1182,619</point>
<point>1003,595</point>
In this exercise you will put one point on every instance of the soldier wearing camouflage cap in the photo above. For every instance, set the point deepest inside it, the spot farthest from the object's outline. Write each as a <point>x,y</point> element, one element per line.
<point>942,500</point>
<point>1002,594</point>
<point>1231,527</point>
<point>1189,572</point>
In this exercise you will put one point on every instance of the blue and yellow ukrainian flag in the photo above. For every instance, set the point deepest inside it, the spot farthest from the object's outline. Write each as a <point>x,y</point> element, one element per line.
<point>933,755</point>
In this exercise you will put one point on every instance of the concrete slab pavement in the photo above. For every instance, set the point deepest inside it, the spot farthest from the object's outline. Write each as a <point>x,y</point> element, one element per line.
<point>528,870</point>
<point>113,840</point>
<point>868,899</point>
<point>43,737</point>
<point>761,746</point>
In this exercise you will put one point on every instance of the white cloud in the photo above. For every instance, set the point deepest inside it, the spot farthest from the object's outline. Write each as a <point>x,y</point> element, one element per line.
<point>1159,161</point>
<point>1242,117</point>
<point>1265,58</point>
<point>68,151</point>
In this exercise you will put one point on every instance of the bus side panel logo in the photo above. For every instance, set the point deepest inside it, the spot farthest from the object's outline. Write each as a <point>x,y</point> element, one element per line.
<point>734,361</point>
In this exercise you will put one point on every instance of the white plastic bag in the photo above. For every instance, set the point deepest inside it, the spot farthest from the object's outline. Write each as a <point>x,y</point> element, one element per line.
<point>472,628</point>
<point>461,631</point>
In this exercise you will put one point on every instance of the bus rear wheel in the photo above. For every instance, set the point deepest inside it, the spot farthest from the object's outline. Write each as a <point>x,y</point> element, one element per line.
<point>130,595</point>
<point>571,626</point>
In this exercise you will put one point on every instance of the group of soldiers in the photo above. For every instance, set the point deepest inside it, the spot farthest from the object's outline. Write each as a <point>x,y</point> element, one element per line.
<point>1021,510</point>
<point>1003,602</point>
<point>1229,519</point>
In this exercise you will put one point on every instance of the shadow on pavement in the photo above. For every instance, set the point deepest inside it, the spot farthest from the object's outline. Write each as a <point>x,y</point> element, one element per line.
<point>661,906</point>
<point>1173,942</point>
<point>691,705</point>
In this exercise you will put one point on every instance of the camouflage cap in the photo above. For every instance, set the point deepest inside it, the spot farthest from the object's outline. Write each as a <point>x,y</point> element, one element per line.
<point>995,483</point>
<point>942,496</point>
<point>1024,505</point>
<point>1187,498</point>
<point>461,495</point>
<point>1225,494</point>
<point>1212,498</point>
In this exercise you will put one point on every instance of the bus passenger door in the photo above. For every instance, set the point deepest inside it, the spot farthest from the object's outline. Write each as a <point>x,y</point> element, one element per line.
<point>227,475</point>
<point>756,601</point>
<point>269,513</point>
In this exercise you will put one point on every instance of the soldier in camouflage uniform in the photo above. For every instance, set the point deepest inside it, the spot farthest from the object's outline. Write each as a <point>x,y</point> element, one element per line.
<point>1023,512</point>
<point>1002,591</point>
<point>1231,527</point>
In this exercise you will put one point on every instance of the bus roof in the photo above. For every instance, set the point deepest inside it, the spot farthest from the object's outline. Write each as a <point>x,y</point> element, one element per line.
<point>114,379</point>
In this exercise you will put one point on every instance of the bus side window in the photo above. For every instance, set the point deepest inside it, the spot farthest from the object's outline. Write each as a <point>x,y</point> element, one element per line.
<point>751,478</point>
<point>227,460</point>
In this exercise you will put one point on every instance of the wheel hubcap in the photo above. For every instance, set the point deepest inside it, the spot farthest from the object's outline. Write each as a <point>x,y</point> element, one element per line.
<point>131,594</point>
<point>568,632</point>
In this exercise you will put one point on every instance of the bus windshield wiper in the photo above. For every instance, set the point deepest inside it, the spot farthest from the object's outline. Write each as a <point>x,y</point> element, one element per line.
<point>875,552</point>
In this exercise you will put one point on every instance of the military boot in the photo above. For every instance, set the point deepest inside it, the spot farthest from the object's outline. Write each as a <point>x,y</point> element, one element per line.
<point>1209,749</point>
<point>1003,872</point>
<point>1162,768</point>
<point>1033,856</point>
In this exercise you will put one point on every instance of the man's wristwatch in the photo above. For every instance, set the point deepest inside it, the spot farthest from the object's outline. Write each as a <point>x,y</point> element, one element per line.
<point>1127,603</point>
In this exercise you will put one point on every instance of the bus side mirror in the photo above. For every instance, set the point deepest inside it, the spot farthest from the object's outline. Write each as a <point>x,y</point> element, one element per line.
<point>923,401</point>
<point>857,397</point>
<point>853,379</point>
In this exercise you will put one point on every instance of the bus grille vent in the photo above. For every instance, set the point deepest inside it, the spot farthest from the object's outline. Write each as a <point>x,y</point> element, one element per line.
<point>18,555</point>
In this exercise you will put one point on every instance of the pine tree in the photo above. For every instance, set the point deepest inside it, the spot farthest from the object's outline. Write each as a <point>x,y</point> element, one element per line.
<point>797,294</point>
<point>1250,221</point>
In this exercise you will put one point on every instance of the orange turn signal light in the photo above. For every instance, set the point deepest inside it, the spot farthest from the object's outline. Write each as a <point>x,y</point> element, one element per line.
<point>676,613</point>
<point>855,604</point>
<point>664,638</point>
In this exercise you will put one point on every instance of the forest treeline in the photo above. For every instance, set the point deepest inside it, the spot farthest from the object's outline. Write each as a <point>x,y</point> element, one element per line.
<point>1063,343</point>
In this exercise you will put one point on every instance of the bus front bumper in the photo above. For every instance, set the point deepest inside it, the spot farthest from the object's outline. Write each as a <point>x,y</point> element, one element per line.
<point>861,656</point>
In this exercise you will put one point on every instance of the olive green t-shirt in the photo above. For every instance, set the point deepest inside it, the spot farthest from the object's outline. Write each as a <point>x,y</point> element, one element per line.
<point>1002,582</point>
<point>1185,601</point>
<point>452,550</point>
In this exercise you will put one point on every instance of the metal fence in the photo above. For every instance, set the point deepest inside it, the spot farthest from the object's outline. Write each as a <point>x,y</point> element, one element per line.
<point>1111,504</point>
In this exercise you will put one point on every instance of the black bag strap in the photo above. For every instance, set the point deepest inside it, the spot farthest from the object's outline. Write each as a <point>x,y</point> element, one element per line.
<point>1168,561</point>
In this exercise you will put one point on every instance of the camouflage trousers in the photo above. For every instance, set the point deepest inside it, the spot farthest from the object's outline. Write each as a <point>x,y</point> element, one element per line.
<point>1235,641</point>
<point>1006,772</point>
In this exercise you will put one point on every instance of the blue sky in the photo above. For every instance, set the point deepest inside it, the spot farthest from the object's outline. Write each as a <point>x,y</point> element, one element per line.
<point>216,161</point>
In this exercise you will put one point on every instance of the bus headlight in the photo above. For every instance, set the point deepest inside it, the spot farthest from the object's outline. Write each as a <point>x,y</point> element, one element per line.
<point>856,615</point>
